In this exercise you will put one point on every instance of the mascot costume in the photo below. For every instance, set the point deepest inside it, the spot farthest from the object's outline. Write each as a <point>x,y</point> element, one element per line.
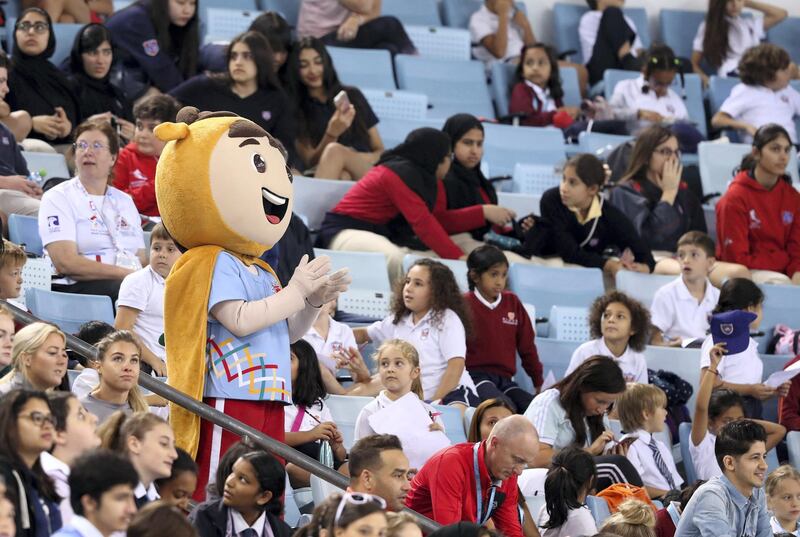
<point>225,195</point>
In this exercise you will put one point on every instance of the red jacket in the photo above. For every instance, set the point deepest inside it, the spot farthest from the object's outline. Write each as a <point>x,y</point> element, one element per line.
<point>522,99</point>
<point>135,173</point>
<point>789,410</point>
<point>381,195</point>
<point>759,228</point>
<point>444,490</point>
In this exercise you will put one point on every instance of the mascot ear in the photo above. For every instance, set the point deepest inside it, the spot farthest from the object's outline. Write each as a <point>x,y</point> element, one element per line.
<point>171,131</point>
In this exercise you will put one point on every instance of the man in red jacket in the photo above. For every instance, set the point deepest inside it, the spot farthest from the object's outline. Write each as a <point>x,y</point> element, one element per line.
<point>476,482</point>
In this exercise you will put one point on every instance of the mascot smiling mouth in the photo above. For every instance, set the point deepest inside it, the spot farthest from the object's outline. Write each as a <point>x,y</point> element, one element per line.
<point>274,206</point>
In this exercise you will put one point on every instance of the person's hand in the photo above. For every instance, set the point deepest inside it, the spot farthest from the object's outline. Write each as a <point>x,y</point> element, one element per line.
<point>349,28</point>
<point>520,19</point>
<point>337,283</point>
<point>783,389</point>
<point>105,116</point>
<point>715,355</point>
<point>497,215</point>
<point>64,124</point>
<point>612,266</point>
<point>599,444</point>
<point>21,184</point>
<point>341,121</point>
<point>640,267</point>
<point>761,391</point>
<point>48,126</point>
<point>671,173</point>
<point>573,111</point>
<point>435,427</point>
<point>352,360</point>
<point>337,437</point>
<point>503,7</point>
<point>527,223</point>
<point>649,115</point>
<point>159,368</point>
<point>5,109</point>
<point>309,276</point>
<point>324,431</point>
<point>126,128</point>
<point>620,448</point>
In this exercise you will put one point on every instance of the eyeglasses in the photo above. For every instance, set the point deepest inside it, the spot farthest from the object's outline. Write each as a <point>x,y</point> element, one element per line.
<point>668,153</point>
<point>356,498</point>
<point>37,27</point>
<point>84,146</point>
<point>39,419</point>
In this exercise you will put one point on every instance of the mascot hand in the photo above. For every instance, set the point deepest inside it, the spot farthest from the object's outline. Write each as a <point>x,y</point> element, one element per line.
<point>310,276</point>
<point>337,283</point>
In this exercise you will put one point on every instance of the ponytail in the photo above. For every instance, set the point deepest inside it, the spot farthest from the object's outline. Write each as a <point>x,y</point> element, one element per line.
<point>571,474</point>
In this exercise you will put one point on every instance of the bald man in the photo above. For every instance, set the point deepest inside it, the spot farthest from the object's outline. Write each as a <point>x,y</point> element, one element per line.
<point>476,482</point>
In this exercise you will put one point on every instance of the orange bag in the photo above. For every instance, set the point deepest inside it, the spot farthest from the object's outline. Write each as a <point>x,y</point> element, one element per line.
<point>619,492</point>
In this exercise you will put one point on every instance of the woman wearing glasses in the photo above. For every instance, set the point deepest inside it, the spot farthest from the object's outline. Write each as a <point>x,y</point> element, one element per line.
<point>26,431</point>
<point>352,514</point>
<point>38,86</point>
<point>39,359</point>
<point>90,230</point>
<point>661,207</point>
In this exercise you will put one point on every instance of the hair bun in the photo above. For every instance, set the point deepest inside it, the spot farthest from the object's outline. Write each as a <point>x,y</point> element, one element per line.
<point>637,513</point>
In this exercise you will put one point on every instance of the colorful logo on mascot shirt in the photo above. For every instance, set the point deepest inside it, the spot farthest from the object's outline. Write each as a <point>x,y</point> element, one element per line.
<point>232,361</point>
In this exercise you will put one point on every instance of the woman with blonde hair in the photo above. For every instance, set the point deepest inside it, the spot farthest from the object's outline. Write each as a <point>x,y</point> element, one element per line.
<point>38,359</point>
<point>118,359</point>
<point>632,519</point>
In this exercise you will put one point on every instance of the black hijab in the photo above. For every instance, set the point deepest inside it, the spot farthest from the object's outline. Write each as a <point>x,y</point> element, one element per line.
<point>37,85</point>
<point>416,159</point>
<point>96,96</point>
<point>462,184</point>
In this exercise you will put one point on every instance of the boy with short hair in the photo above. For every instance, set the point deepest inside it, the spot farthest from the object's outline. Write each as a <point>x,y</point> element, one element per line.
<point>12,260</point>
<point>734,503</point>
<point>642,410</point>
<point>101,493</point>
<point>135,170</point>
<point>681,308</point>
<point>140,306</point>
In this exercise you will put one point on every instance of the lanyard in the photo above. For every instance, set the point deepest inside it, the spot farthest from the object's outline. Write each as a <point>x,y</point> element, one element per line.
<point>481,520</point>
<point>98,214</point>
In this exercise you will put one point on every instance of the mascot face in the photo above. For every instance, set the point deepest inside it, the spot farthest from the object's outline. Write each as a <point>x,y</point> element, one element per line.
<point>222,180</point>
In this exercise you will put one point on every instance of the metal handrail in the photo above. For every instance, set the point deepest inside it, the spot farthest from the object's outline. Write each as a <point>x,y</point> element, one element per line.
<point>216,417</point>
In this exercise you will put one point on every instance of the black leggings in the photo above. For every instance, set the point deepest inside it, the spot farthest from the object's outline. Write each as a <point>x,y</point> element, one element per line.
<point>611,35</point>
<point>384,32</point>
<point>615,469</point>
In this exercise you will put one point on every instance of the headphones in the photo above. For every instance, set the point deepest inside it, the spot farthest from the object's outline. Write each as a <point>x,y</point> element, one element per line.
<point>664,61</point>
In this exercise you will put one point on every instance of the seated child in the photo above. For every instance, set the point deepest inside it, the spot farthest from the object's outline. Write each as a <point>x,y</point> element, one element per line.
<point>609,39</point>
<point>569,480</point>
<point>135,169</point>
<point>633,518</point>
<point>498,30</point>
<point>506,331</point>
<point>642,410</point>
<point>783,494</point>
<point>681,308</point>
<point>140,306</point>
<point>328,337</point>
<point>619,325</point>
<point>763,96</point>
<point>667,518</point>
<point>12,260</point>
<point>177,489</point>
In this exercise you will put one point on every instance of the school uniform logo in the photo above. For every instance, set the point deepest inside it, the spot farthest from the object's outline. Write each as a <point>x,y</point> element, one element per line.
<point>95,223</point>
<point>510,319</point>
<point>337,346</point>
<point>785,99</point>
<point>266,114</point>
<point>52,223</point>
<point>5,140</point>
<point>670,109</point>
<point>788,218</point>
<point>139,178</point>
<point>122,224</point>
<point>150,47</point>
<point>755,222</point>
<point>593,243</point>
<point>425,333</point>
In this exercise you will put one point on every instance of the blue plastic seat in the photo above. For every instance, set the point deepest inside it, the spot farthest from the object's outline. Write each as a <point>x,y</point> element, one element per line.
<point>567,17</point>
<point>69,310</point>
<point>718,90</point>
<point>397,104</point>
<point>569,324</point>
<point>24,230</point>
<point>598,142</point>
<point>370,293</point>
<point>504,77</point>
<point>315,197</point>
<point>780,306</point>
<point>344,411</point>
<point>599,508</point>
<point>457,266</point>
<point>394,130</point>
<point>456,13</point>
<point>555,354</point>
<point>504,146</point>
<point>52,164</point>
<point>522,204</point>
<point>238,5</point>
<point>451,86</point>
<point>640,286</point>
<point>440,42</point>
<point>289,9</point>
<point>685,435</point>
<point>453,423</point>
<point>223,24</point>
<point>534,179</point>
<point>422,12</point>
<point>683,362</point>
<point>678,28</point>
<point>363,68</point>
<point>785,35</point>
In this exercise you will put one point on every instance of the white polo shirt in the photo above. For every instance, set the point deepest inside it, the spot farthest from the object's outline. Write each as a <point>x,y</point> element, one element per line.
<point>743,33</point>
<point>632,363</point>
<point>641,456</point>
<point>758,105</point>
<point>629,95</point>
<point>66,214</point>
<point>704,459</point>
<point>58,471</point>
<point>380,402</point>
<point>588,28</point>
<point>678,314</point>
<point>745,367</point>
<point>144,291</point>
<point>483,23</point>
<point>340,336</point>
<point>313,416</point>
<point>438,339</point>
<point>551,420</point>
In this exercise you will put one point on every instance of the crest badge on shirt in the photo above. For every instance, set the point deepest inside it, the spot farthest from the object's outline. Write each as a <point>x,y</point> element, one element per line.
<point>95,223</point>
<point>266,114</point>
<point>52,223</point>
<point>5,140</point>
<point>785,99</point>
<point>755,222</point>
<point>671,109</point>
<point>787,217</point>
<point>150,47</point>
<point>510,319</point>
<point>425,333</point>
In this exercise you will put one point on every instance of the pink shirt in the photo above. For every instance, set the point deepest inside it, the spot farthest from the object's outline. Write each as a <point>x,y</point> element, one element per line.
<point>320,17</point>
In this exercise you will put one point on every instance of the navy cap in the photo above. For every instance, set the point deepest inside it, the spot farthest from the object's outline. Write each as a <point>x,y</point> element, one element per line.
<point>732,328</point>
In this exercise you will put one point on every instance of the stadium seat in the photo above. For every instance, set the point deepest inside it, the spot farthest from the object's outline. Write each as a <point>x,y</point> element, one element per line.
<point>793,445</point>
<point>421,12</point>
<point>718,90</point>
<point>37,273</point>
<point>290,9</point>
<point>363,68</point>
<point>52,164</point>
<point>685,434</point>
<point>599,143</point>
<point>599,508</point>
<point>567,17</point>
<point>321,489</point>
<point>468,415</point>
<point>72,374</point>
<point>780,306</point>
<point>440,42</point>
<point>119,5</point>
<point>640,286</point>
<point>505,145</point>
<point>397,104</point>
<point>370,293</point>
<point>678,28</point>
<point>69,310</point>
<point>394,130</point>
<point>683,362</point>
<point>522,204</point>
<point>451,86</point>
<point>534,179</point>
<point>24,230</point>
<point>344,411</point>
<point>457,266</point>
<point>224,24</point>
<point>569,324</point>
<point>555,355</point>
<point>504,78</point>
<point>314,197</point>
<point>785,35</point>
<point>456,13</point>
<point>453,423</point>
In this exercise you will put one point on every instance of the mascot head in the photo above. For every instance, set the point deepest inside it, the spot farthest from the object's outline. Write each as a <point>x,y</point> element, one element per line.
<point>222,180</point>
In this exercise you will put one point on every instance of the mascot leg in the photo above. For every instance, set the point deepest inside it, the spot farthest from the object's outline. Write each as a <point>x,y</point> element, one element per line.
<point>265,416</point>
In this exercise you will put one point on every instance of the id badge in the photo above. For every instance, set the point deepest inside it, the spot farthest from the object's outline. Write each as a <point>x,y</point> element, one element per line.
<point>127,261</point>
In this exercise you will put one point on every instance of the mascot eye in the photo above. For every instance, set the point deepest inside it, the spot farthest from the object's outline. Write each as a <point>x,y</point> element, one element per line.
<point>259,163</point>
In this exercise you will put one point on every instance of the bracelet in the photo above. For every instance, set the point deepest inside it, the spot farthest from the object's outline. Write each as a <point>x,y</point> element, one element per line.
<point>312,305</point>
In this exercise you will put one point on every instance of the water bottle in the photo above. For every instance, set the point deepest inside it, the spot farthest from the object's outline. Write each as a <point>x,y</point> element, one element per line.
<point>38,177</point>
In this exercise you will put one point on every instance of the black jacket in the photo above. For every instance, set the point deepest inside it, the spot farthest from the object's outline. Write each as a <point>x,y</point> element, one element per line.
<point>211,520</point>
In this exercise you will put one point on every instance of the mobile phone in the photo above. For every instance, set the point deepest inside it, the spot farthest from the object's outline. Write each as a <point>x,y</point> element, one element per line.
<point>342,101</point>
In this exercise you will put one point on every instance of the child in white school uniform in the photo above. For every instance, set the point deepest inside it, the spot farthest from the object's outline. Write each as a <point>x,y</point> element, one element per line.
<point>619,325</point>
<point>429,312</point>
<point>681,308</point>
<point>783,496</point>
<point>328,336</point>
<point>498,30</point>
<point>764,95</point>
<point>642,410</point>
